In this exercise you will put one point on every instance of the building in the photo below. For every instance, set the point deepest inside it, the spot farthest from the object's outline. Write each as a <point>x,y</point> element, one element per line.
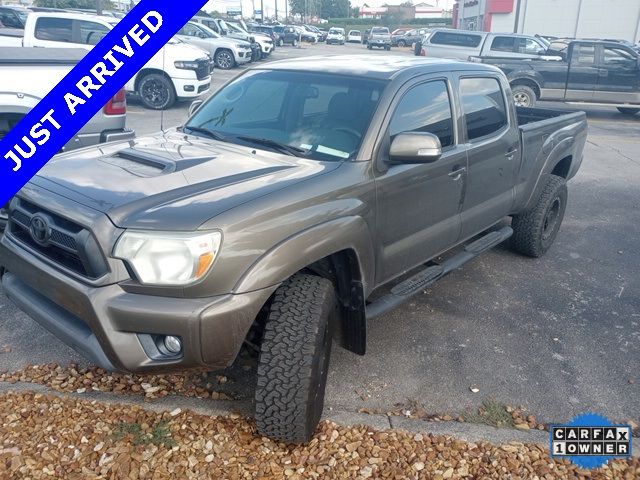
<point>618,19</point>
<point>419,10</point>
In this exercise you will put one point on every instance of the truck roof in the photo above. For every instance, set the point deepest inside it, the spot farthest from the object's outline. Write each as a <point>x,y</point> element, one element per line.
<point>373,66</point>
<point>40,56</point>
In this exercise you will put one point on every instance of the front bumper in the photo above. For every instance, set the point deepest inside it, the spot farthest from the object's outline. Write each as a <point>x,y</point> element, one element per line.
<point>191,88</point>
<point>243,56</point>
<point>111,327</point>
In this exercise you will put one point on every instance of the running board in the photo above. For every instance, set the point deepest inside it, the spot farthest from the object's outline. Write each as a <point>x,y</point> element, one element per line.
<point>430,275</point>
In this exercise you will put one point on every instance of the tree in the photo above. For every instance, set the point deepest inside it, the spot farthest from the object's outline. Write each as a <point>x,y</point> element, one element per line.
<point>334,8</point>
<point>79,4</point>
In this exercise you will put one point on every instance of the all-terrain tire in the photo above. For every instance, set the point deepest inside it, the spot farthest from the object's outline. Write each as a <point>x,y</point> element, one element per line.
<point>535,230</point>
<point>523,96</point>
<point>156,92</point>
<point>294,358</point>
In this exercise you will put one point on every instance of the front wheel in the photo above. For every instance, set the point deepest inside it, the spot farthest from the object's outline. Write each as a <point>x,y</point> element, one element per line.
<point>294,43</point>
<point>224,60</point>
<point>294,358</point>
<point>628,111</point>
<point>280,42</point>
<point>156,92</point>
<point>523,96</point>
<point>534,231</point>
<point>401,43</point>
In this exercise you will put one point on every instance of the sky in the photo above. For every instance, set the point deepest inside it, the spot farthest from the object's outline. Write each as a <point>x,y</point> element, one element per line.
<point>269,5</point>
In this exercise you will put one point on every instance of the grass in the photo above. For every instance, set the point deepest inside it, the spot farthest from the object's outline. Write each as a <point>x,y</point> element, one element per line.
<point>160,434</point>
<point>491,413</point>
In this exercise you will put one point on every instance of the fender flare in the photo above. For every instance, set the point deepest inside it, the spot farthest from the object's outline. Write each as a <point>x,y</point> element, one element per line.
<point>307,247</point>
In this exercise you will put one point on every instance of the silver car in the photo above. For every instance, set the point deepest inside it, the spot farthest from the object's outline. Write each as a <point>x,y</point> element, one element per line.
<point>226,52</point>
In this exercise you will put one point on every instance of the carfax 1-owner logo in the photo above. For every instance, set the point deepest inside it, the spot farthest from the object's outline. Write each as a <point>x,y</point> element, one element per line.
<point>591,440</point>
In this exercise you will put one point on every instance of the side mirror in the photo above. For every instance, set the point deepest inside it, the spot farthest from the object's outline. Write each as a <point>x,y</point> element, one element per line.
<point>415,147</point>
<point>195,106</point>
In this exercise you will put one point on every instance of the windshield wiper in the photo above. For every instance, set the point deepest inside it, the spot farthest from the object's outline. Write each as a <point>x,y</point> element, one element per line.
<point>281,147</point>
<point>209,133</point>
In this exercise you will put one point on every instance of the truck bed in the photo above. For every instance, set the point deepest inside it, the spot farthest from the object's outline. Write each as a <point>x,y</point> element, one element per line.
<point>40,56</point>
<point>547,134</point>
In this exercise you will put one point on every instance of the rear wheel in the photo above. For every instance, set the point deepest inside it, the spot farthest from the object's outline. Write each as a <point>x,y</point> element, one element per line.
<point>294,43</point>
<point>534,231</point>
<point>628,111</point>
<point>156,92</point>
<point>369,47</point>
<point>294,358</point>
<point>402,43</point>
<point>523,96</point>
<point>280,42</point>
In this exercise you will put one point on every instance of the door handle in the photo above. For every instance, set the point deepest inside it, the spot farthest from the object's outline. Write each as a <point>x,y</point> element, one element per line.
<point>457,174</point>
<point>511,154</point>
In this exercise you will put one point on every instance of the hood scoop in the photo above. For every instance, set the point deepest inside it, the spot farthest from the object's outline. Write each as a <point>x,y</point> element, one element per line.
<point>149,164</point>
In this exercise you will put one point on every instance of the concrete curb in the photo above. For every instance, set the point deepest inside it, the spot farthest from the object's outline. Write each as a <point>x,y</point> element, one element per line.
<point>465,431</point>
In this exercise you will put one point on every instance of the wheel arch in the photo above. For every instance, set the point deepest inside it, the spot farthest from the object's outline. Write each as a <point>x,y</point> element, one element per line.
<point>527,82</point>
<point>339,250</point>
<point>148,71</point>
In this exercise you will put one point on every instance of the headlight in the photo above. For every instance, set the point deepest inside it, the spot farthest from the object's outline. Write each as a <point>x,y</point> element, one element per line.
<point>243,46</point>
<point>168,258</point>
<point>187,65</point>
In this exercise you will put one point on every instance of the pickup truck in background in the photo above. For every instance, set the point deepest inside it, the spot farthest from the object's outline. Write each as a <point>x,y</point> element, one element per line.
<point>379,37</point>
<point>226,52</point>
<point>585,71</point>
<point>461,45</point>
<point>28,74</point>
<point>177,72</point>
<point>191,241</point>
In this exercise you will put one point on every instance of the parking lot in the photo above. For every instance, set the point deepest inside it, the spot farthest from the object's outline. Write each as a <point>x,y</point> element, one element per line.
<point>559,335</point>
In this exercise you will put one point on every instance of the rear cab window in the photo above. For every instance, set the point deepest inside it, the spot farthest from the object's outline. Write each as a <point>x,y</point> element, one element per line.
<point>456,39</point>
<point>483,106</point>
<point>54,29</point>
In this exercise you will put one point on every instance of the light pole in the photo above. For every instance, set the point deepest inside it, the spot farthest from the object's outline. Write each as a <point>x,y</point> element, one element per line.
<point>99,7</point>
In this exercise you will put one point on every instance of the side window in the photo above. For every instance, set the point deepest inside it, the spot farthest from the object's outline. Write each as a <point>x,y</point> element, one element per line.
<point>425,108</point>
<point>528,46</point>
<point>54,29</point>
<point>483,104</point>
<point>91,33</point>
<point>190,30</point>
<point>584,55</point>
<point>617,56</point>
<point>9,19</point>
<point>503,44</point>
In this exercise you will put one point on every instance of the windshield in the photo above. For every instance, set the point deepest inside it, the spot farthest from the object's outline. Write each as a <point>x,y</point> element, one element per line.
<point>335,31</point>
<point>325,116</point>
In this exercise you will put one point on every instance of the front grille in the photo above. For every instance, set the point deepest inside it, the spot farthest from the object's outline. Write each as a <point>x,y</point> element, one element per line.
<point>203,70</point>
<point>66,243</point>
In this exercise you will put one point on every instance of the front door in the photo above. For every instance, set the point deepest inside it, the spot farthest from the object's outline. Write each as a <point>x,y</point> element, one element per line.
<point>583,73</point>
<point>494,153</point>
<point>419,205</point>
<point>618,75</point>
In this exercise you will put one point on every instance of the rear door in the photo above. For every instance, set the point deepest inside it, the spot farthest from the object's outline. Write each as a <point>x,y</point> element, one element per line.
<point>493,148</point>
<point>618,75</point>
<point>583,72</point>
<point>193,34</point>
<point>419,204</point>
<point>68,33</point>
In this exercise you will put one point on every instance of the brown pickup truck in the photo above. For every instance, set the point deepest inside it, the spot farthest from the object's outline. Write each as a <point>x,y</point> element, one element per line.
<point>277,210</point>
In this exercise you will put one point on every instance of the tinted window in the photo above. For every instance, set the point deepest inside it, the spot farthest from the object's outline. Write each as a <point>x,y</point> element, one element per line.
<point>528,46</point>
<point>91,33</point>
<point>425,108</point>
<point>483,105</point>
<point>584,54</point>
<point>10,19</point>
<point>54,29</point>
<point>190,30</point>
<point>456,39</point>
<point>503,44</point>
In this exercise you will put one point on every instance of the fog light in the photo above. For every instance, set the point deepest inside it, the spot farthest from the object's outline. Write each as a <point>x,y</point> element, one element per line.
<point>173,344</point>
<point>189,88</point>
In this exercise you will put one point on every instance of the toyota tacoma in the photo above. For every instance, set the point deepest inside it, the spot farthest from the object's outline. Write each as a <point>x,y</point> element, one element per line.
<point>303,199</point>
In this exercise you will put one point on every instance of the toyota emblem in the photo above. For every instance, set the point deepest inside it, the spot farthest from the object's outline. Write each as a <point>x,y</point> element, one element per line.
<point>40,230</point>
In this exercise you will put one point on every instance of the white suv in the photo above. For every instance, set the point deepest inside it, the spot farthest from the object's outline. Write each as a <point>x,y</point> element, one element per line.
<point>336,35</point>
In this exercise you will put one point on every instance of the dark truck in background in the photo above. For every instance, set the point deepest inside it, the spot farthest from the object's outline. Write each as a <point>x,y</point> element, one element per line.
<point>585,71</point>
<point>288,229</point>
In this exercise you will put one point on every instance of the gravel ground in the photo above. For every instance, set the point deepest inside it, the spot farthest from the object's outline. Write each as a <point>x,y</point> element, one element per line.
<point>44,436</point>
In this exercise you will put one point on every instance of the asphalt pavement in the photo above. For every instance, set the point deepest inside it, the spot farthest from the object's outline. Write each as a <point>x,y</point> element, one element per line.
<point>559,335</point>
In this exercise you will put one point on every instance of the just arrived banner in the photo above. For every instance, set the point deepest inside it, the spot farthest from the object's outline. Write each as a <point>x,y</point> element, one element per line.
<point>60,115</point>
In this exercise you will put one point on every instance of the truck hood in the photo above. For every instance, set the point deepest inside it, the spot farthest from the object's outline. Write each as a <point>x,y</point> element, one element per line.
<point>172,181</point>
